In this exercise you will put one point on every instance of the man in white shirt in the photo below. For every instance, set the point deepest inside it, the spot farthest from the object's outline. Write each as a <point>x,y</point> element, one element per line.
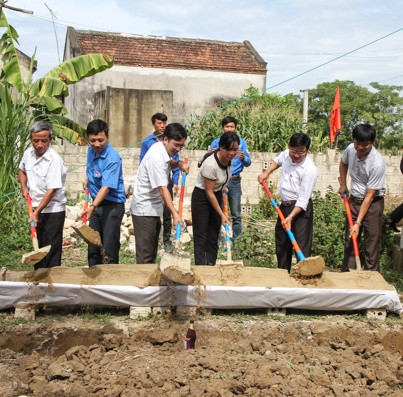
<point>42,174</point>
<point>367,170</point>
<point>298,178</point>
<point>151,192</point>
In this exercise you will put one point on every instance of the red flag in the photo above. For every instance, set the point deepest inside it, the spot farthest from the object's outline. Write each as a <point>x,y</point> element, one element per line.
<point>335,117</point>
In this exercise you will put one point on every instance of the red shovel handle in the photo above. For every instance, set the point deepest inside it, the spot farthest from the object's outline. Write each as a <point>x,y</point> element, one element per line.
<point>225,202</point>
<point>85,206</point>
<point>30,212</point>
<point>351,224</point>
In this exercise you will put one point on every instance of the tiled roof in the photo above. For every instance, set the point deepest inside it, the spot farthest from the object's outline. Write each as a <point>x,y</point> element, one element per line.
<point>169,52</point>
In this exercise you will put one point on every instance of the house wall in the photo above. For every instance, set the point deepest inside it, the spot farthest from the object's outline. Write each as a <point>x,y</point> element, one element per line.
<point>128,112</point>
<point>194,91</point>
<point>328,165</point>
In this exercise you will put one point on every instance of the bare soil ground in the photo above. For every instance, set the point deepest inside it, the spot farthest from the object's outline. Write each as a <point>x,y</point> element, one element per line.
<point>331,355</point>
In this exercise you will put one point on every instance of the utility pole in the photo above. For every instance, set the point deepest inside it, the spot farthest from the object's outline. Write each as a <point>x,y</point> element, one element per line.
<point>305,94</point>
<point>54,28</point>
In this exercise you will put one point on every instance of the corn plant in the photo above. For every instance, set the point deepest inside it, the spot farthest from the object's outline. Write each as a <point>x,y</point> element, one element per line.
<point>265,121</point>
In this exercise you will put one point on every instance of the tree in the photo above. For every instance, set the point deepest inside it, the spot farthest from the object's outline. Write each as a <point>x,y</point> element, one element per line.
<point>382,106</point>
<point>21,102</point>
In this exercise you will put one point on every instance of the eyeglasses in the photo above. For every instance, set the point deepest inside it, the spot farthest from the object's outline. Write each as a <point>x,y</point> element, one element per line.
<point>299,153</point>
<point>178,145</point>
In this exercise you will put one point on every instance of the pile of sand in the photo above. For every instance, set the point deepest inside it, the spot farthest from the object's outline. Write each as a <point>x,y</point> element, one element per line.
<point>236,275</point>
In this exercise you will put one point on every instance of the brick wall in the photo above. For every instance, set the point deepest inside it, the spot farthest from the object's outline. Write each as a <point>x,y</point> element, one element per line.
<point>327,164</point>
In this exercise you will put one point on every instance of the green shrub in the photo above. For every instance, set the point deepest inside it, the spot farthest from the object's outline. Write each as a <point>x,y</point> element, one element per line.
<point>15,234</point>
<point>328,230</point>
<point>255,246</point>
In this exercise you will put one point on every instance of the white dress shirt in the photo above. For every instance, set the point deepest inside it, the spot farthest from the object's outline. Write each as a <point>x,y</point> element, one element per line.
<point>45,173</point>
<point>153,173</point>
<point>297,179</point>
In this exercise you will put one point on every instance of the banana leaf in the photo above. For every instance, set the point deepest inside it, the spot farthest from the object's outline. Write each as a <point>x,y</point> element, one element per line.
<point>78,68</point>
<point>11,71</point>
<point>66,128</point>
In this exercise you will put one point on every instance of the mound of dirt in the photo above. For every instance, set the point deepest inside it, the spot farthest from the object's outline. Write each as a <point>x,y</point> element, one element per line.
<point>333,356</point>
<point>236,275</point>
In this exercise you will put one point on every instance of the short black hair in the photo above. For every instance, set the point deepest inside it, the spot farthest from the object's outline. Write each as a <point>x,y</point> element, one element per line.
<point>159,116</point>
<point>175,131</point>
<point>364,133</point>
<point>227,139</point>
<point>94,127</point>
<point>229,119</point>
<point>300,139</point>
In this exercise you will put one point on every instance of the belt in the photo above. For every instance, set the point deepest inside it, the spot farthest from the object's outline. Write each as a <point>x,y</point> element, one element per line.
<point>235,178</point>
<point>358,201</point>
<point>288,203</point>
<point>107,202</point>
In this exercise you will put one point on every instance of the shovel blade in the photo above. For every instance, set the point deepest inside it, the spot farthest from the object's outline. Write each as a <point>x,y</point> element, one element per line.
<point>177,269</point>
<point>33,257</point>
<point>309,267</point>
<point>89,235</point>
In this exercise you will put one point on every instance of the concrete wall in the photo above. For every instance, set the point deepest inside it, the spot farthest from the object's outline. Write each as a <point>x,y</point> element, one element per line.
<point>75,158</point>
<point>194,91</point>
<point>128,112</point>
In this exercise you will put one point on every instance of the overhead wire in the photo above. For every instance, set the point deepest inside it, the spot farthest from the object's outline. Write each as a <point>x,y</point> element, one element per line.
<point>240,100</point>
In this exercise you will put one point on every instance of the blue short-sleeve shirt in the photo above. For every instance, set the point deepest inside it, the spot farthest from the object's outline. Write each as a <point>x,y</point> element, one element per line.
<point>106,170</point>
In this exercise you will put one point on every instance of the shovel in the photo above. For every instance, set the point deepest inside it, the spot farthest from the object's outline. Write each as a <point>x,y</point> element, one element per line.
<point>228,244</point>
<point>354,237</point>
<point>88,234</point>
<point>173,266</point>
<point>35,256</point>
<point>307,267</point>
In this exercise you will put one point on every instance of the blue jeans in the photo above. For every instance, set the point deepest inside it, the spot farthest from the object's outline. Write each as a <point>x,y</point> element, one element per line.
<point>234,201</point>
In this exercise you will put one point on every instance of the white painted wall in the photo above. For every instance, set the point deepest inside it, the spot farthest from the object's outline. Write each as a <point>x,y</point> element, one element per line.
<point>194,91</point>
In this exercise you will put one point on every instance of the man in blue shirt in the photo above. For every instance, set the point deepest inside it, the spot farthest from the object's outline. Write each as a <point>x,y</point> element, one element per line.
<point>159,122</point>
<point>105,183</point>
<point>241,160</point>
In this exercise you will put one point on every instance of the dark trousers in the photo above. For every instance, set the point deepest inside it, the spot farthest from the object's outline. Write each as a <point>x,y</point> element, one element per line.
<point>372,227</point>
<point>146,232</point>
<point>302,227</point>
<point>206,227</point>
<point>167,219</point>
<point>397,214</point>
<point>49,231</point>
<point>106,220</point>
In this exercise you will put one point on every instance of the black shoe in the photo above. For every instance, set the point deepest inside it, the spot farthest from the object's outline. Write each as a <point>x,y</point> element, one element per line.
<point>392,225</point>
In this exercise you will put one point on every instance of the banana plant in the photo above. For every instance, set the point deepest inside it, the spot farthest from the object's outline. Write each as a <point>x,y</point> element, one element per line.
<point>45,93</point>
<point>23,101</point>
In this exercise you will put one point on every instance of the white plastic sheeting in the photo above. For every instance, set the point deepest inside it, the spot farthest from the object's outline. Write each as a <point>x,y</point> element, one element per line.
<point>15,293</point>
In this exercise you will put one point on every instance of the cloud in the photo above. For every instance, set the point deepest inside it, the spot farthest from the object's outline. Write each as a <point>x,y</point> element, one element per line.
<point>293,36</point>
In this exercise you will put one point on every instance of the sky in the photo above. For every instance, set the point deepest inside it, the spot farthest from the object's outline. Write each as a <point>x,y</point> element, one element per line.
<point>292,36</point>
